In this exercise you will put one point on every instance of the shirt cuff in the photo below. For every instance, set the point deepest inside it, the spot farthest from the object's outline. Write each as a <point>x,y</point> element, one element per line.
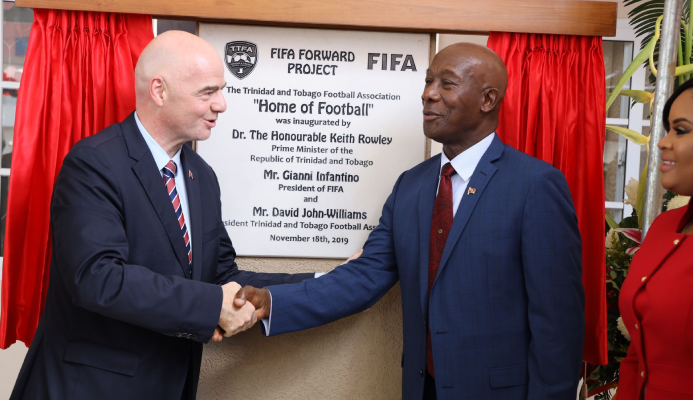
<point>266,322</point>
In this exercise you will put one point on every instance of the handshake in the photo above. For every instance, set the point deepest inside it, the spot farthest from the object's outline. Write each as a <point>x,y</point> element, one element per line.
<point>241,309</point>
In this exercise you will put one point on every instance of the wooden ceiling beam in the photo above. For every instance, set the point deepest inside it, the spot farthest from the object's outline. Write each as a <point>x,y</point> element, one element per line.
<point>568,17</point>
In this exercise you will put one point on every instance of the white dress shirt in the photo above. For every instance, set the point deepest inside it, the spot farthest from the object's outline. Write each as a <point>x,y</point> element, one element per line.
<point>161,158</point>
<point>464,164</point>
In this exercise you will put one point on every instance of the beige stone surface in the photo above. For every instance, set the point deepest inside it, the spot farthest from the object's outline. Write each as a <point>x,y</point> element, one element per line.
<point>354,358</point>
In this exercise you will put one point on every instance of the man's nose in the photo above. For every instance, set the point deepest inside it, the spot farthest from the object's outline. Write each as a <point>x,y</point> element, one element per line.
<point>219,103</point>
<point>430,94</point>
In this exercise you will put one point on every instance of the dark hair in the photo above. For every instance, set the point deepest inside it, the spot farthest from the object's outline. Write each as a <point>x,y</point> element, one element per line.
<point>667,107</point>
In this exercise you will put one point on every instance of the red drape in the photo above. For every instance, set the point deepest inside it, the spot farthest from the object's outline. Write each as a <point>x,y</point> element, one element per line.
<point>78,78</point>
<point>555,110</point>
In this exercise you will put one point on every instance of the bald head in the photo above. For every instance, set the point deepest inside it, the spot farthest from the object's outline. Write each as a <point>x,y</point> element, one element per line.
<point>178,83</point>
<point>465,85</point>
<point>479,63</point>
<point>173,55</point>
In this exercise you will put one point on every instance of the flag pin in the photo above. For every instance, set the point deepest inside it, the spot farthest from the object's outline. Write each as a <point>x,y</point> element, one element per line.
<point>190,174</point>
<point>471,191</point>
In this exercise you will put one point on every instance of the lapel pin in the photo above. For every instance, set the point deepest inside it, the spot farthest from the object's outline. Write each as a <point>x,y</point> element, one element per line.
<point>190,174</point>
<point>471,191</point>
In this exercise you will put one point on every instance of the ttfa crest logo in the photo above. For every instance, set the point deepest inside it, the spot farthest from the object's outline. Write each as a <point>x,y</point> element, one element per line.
<point>241,58</point>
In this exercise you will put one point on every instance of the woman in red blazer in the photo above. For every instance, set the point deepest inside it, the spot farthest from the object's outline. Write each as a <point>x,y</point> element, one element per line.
<point>656,300</point>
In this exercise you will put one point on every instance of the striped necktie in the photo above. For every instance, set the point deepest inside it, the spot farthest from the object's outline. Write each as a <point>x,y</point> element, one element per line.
<point>170,181</point>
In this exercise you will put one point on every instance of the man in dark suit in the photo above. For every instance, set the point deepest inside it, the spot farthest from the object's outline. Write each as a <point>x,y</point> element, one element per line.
<point>139,250</point>
<point>485,244</point>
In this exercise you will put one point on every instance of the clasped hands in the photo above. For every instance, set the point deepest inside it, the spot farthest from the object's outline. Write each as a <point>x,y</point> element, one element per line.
<point>241,309</point>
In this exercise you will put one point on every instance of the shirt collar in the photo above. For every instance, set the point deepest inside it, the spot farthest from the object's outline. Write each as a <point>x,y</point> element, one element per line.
<point>160,156</point>
<point>465,163</point>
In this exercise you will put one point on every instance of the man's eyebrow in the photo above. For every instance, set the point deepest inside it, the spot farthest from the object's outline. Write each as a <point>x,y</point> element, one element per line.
<point>445,71</point>
<point>211,88</point>
<point>449,71</point>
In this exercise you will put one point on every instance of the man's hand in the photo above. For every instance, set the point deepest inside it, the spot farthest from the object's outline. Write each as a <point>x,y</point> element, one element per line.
<point>233,319</point>
<point>260,298</point>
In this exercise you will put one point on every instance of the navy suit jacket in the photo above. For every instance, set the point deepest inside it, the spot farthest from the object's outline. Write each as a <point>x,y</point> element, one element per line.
<point>506,311</point>
<point>124,319</point>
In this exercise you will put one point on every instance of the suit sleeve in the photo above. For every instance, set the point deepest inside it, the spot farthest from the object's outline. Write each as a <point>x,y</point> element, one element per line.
<point>227,269</point>
<point>552,266</point>
<point>347,289</point>
<point>90,248</point>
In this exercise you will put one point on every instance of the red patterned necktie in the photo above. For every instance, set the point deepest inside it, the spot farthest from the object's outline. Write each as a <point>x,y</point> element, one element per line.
<point>170,181</point>
<point>440,228</point>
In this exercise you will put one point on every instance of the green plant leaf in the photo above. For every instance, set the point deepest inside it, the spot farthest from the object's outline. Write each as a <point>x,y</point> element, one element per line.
<point>629,134</point>
<point>640,204</point>
<point>684,69</point>
<point>642,18</point>
<point>655,38</point>
<point>610,221</point>
<point>639,59</point>
<point>688,40</point>
<point>639,96</point>
<point>679,55</point>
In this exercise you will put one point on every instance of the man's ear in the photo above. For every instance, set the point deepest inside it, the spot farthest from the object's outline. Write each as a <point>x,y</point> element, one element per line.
<point>490,99</point>
<point>157,90</point>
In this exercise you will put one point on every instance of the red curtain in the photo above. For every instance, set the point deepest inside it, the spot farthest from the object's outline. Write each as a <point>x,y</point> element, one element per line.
<point>555,110</point>
<point>78,78</point>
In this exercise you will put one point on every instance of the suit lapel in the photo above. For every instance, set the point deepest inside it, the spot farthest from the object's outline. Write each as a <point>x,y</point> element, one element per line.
<point>427,197</point>
<point>150,178</point>
<point>479,180</point>
<point>194,207</point>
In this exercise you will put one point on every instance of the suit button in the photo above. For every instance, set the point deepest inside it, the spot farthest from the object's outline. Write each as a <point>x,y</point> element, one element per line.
<point>642,374</point>
<point>421,372</point>
<point>183,361</point>
<point>643,279</point>
<point>440,231</point>
<point>636,326</point>
<point>676,241</point>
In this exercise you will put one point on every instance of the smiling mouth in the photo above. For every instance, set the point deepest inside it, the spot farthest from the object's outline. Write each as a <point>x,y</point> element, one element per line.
<point>428,115</point>
<point>667,165</point>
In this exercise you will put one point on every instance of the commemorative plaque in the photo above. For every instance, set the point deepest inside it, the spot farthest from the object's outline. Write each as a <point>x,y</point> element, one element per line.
<point>319,125</point>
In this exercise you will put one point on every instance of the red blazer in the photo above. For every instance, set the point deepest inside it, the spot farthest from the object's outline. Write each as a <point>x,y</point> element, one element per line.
<point>656,304</point>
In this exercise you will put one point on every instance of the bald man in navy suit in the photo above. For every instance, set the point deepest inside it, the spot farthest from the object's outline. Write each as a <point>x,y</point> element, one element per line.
<point>485,244</point>
<point>142,269</point>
